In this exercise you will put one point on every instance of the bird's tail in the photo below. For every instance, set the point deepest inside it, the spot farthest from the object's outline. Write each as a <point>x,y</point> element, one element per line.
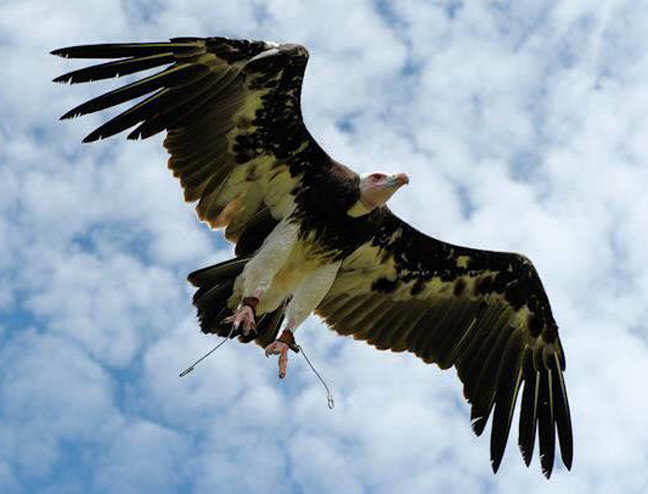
<point>215,287</point>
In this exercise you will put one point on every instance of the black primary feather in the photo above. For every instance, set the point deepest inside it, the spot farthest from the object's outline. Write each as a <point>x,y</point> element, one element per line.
<point>546,423</point>
<point>116,69</point>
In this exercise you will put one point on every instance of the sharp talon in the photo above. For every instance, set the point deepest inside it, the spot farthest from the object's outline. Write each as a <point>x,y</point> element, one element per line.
<point>243,315</point>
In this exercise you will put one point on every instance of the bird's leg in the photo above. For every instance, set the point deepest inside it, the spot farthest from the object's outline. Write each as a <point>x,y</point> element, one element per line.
<point>260,271</point>
<point>244,315</point>
<point>306,298</point>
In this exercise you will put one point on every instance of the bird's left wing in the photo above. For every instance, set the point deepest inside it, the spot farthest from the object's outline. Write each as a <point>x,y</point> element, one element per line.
<point>484,312</point>
<point>232,112</point>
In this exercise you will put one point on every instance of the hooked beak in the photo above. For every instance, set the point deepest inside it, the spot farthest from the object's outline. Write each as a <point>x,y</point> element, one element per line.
<point>398,179</point>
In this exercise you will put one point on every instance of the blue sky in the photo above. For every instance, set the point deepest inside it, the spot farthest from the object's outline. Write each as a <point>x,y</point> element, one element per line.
<point>523,127</point>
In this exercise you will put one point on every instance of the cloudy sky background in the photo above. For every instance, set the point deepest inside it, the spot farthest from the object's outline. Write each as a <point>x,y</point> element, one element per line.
<point>524,127</point>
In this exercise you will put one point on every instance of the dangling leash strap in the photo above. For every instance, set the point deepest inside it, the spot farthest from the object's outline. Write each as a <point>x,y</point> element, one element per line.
<point>288,338</point>
<point>329,395</point>
<point>193,366</point>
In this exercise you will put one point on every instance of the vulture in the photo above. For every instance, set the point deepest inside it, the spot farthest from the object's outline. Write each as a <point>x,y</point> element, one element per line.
<point>312,235</point>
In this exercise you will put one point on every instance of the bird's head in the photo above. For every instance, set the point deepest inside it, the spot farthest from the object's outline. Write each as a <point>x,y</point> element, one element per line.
<point>375,190</point>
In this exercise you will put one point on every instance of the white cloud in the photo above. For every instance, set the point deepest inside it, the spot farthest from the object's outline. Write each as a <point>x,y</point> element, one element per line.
<point>523,128</point>
<point>143,456</point>
<point>52,393</point>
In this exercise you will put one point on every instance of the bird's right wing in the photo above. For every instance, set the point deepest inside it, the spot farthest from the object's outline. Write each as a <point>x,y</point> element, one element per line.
<point>484,312</point>
<point>232,112</point>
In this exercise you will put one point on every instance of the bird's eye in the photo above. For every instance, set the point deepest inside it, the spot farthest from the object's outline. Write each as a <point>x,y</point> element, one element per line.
<point>376,176</point>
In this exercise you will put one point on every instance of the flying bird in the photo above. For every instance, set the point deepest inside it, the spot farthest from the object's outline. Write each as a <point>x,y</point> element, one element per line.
<point>312,235</point>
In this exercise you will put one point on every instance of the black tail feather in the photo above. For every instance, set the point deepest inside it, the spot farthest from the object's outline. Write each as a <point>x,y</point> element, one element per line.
<point>218,272</point>
<point>215,287</point>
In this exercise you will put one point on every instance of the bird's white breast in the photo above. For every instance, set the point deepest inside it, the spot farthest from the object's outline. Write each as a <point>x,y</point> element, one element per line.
<point>305,258</point>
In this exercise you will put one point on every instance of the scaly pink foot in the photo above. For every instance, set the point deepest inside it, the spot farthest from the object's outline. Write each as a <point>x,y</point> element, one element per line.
<point>279,348</point>
<point>243,315</point>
